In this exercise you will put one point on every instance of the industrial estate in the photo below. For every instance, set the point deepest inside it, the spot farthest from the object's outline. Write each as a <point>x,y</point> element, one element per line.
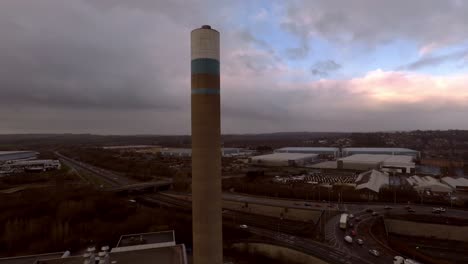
<point>396,197</point>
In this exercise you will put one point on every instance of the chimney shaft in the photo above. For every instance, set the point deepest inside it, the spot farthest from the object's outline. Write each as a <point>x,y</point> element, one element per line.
<point>206,147</point>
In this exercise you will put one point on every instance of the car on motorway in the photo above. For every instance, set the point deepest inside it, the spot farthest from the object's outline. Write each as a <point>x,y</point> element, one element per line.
<point>388,207</point>
<point>243,226</point>
<point>368,210</point>
<point>398,260</point>
<point>374,252</point>
<point>436,210</point>
<point>360,241</point>
<point>375,213</point>
<point>348,239</point>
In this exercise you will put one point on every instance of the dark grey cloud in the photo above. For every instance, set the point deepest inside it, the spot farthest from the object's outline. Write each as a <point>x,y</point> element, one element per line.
<point>435,60</point>
<point>323,68</point>
<point>78,57</point>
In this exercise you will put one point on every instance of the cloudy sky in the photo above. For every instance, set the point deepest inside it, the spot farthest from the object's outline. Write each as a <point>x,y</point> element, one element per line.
<point>123,67</point>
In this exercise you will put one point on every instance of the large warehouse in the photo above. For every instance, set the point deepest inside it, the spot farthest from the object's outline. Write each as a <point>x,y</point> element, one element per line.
<point>284,159</point>
<point>455,182</point>
<point>364,162</point>
<point>335,152</point>
<point>187,152</point>
<point>17,155</point>
<point>372,180</point>
<point>388,151</point>
<point>428,183</point>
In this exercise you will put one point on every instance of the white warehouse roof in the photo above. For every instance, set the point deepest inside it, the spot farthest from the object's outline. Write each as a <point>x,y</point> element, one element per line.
<point>380,150</point>
<point>284,156</point>
<point>372,180</point>
<point>14,155</point>
<point>376,158</point>
<point>428,183</point>
<point>307,150</point>
<point>454,182</point>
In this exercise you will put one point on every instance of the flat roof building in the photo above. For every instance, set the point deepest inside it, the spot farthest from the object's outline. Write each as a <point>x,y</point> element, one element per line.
<point>284,159</point>
<point>17,155</point>
<point>388,151</point>
<point>187,152</point>
<point>314,150</point>
<point>144,248</point>
<point>390,163</point>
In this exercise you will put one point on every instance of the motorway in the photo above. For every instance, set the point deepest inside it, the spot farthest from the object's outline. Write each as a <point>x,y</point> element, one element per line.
<point>265,227</point>
<point>110,178</point>
<point>336,251</point>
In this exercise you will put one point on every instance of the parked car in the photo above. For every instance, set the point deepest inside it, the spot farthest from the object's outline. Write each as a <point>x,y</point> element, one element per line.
<point>388,207</point>
<point>411,210</point>
<point>368,210</point>
<point>375,213</point>
<point>243,226</point>
<point>360,241</point>
<point>353,232</point>
<point>351,216</point>
<point>357,219</point>
<point>374,252</point>
<point>348,239</point>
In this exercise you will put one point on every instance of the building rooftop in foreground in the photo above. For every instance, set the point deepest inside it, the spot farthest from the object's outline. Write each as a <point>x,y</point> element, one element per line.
<point>30,259</point>
<point>162,255</point>
<point>144,248</point>
<point>146,238</point>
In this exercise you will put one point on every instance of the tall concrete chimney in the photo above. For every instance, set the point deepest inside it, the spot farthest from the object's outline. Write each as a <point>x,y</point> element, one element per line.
<point>206,147</point>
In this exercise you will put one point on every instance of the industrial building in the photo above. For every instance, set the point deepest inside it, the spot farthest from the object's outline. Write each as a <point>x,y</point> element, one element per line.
<point>390,163</point>
<point>33,165</point>
<point>145,248</point>
<point>335,152</point>
<point>388,151</point>
<point>455,183</point>
<point>372,180</point>
<point>186,152</point>
<point>428,183</point>
<point>17,155</point>
<point>284,159</point>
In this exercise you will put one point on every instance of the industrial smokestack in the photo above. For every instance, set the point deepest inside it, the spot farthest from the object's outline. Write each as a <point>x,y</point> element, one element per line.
<point>206,147</point>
